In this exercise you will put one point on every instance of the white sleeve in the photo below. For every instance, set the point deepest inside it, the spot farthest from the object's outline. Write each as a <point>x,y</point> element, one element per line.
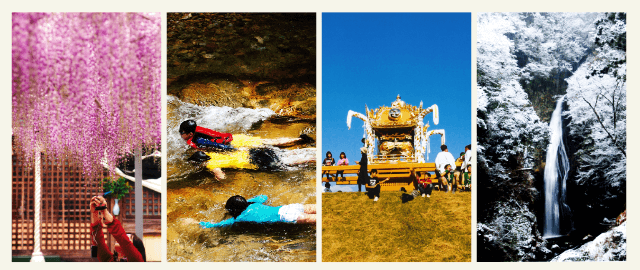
<point>439,162</point>
<point>467,160</point>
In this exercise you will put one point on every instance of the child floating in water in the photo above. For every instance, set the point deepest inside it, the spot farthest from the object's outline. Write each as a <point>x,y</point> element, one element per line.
<point>253,210</point>
<point>199,137</point>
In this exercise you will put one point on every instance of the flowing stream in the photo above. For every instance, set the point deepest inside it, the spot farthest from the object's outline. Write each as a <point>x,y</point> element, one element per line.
<point>194,192</point>
<point>555,175</point>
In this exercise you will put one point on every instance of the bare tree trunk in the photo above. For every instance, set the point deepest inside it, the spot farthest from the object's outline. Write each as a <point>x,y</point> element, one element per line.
<point>138,189</point>
<point>37,254</point>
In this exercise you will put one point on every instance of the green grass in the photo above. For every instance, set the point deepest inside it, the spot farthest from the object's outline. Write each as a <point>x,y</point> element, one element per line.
<point>357,229</point>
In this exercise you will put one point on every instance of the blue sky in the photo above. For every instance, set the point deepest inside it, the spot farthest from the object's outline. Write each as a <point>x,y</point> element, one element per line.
<point>370,58</point>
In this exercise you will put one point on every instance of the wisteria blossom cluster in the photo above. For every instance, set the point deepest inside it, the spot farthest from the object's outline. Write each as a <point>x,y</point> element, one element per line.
<point>86,86</point>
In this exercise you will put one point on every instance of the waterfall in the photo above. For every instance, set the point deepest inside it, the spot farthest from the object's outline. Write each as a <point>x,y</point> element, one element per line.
<point>555,175</point>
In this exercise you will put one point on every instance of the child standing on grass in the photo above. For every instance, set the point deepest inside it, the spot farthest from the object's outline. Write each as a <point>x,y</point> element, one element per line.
<point>342,162</point>
<point>253,210</point>
<point>363,176</point>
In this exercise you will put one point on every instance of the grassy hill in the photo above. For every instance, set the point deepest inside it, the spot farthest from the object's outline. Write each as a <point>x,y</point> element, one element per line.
<point>357,229</point>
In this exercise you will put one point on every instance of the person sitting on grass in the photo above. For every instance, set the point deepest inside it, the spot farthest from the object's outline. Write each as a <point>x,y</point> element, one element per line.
<point>425,185</point>
<point>129,245</point>
<point>443,159</point>
<point>373,185</point>
<point>445,178</point>
<point>202,138</point>
<point>253,210</point>
<point>456,181</point>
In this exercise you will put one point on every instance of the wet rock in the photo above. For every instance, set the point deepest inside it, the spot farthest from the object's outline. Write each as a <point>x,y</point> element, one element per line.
<point>246,60</point>
<point>216,93</point>
<point>286,44</point>
<point>287,100</point>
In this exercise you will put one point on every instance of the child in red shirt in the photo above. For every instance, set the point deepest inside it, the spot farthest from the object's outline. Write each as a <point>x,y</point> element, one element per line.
<point>199,137</point>
<point>425,185</point>
<point>131,247</point>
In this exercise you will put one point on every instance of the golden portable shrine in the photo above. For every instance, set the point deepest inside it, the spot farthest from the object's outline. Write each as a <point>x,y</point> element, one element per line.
<point>401,139</point>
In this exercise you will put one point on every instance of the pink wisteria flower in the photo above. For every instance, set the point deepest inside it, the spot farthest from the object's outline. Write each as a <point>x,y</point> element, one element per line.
<point>86,86</point>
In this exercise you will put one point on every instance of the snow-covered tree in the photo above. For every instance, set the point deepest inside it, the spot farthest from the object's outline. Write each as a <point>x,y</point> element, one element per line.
<point>508,128</point>
<point>552,41</point>
<point>597,105</point>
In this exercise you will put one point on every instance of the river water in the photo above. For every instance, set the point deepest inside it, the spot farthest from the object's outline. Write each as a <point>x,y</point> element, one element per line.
<point>193,191</point>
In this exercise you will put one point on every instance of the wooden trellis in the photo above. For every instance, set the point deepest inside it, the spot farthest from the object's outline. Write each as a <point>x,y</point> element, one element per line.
<point>65,218</point>
<point>65,209</point>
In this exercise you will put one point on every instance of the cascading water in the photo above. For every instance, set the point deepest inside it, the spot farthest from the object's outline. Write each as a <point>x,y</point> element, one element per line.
<point>555,175</point>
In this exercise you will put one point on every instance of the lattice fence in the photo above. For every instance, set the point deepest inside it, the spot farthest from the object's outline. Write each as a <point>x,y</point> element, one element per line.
<point>65,207</point>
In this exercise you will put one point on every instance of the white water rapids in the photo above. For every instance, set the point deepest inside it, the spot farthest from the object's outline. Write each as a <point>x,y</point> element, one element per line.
<point>223,119</point>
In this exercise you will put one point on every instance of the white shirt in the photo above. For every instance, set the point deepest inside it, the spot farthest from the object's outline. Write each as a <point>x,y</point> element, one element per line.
<point>444,158</point>
<point>467,160</point>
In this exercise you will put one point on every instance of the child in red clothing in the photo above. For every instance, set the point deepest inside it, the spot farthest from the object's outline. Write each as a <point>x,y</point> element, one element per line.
<point>425,185</point>
<point>131,247</point>
<point>199,137</point>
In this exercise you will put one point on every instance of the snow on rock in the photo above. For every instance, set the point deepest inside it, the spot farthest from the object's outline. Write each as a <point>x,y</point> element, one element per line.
<point>511,235</point>
<point>608,246</point>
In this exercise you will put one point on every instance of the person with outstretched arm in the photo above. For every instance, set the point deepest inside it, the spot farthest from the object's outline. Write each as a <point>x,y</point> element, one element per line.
<point>130,245</point>
<point>254,211</point>
<point>373,185</point>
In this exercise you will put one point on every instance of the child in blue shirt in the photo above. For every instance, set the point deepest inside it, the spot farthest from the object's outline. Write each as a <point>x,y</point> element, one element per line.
<point>253,210</point>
